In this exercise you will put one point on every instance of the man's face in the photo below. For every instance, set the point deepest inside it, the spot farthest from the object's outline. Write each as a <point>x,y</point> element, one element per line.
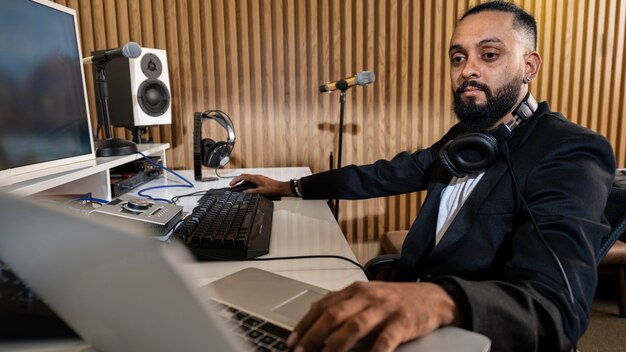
<point>487,68</point>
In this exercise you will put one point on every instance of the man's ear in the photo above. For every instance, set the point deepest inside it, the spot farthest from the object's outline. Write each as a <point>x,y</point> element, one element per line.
<point>533,63</point>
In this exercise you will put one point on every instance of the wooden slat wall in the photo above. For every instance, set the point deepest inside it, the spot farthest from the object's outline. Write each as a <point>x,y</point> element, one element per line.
<point>262,61</point>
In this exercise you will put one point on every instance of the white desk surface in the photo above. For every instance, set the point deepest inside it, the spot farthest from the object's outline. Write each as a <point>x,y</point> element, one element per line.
<point>299,227</point>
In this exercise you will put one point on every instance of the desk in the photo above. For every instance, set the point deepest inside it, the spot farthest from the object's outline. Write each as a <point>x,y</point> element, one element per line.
<point>299,227</point>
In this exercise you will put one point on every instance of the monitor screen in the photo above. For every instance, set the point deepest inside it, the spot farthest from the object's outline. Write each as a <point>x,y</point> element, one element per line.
<point>44,117</point>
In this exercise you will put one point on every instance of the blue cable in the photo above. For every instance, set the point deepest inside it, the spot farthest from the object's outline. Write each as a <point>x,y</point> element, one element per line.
<point>99,201</point>
<point>88,199</point>
<point>140,193</point>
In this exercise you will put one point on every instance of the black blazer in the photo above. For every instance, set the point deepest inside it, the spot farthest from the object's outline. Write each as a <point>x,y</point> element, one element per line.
<point>492,258</point>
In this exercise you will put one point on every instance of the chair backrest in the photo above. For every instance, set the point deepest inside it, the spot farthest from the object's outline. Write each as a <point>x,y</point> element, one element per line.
<point>615,212</point>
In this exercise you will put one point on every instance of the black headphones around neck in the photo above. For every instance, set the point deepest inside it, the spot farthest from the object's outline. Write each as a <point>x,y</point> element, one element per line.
<point>477,151</point>
<point>206,151</point>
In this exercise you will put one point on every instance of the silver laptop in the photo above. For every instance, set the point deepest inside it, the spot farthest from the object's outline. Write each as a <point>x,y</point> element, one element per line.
<point>122,291</point>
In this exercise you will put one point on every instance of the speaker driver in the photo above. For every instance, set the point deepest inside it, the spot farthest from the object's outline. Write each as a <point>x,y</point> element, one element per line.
<point>151,66</point>
<point>153,97</point>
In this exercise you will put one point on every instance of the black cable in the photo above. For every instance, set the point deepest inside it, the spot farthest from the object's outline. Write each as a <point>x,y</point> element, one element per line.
<point>317,256</point>
<point>367,274</point>
<point>197,193</point>
<point>543,239</point>
<point>220,176</point>
<point>193,194</point>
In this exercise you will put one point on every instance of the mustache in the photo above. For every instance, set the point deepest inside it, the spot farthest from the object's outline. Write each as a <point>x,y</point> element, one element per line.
<point>474,84</point>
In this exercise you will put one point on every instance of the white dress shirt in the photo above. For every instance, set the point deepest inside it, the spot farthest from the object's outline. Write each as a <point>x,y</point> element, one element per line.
<point>452,199</point>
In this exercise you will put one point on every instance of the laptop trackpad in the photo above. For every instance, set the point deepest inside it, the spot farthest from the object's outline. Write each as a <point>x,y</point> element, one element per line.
<point>296,307</point>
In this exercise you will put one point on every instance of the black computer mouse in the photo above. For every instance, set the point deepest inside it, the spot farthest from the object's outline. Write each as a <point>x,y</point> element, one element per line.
<point>242,186</point>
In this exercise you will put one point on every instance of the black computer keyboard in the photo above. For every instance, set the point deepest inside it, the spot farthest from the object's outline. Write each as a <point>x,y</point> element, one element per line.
<point>228,225</point>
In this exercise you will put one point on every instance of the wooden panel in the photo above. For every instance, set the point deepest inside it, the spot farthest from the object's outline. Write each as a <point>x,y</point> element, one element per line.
<point>262,61</point>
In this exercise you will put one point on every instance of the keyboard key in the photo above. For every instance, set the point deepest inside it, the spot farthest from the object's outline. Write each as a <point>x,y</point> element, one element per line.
<point>267,340</point>
<point>275,330</point>
<point>243,328</point>
<point>280,346</point>
<point>240,316</point>
<point>253,322</point>
<point>254,334</point>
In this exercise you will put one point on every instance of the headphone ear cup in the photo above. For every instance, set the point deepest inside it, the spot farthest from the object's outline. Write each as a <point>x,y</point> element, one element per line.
<point>444,157</point>
<point>219,154</point>
<point>472,152</point>
<point>206,147</point>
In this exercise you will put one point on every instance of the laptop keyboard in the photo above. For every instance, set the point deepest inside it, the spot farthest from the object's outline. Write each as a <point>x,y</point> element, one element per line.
<point>261,334</point>
<point>228,225</point>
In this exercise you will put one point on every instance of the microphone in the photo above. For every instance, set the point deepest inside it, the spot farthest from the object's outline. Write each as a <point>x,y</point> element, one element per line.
<point>362,78</point>
<point>131,50</point>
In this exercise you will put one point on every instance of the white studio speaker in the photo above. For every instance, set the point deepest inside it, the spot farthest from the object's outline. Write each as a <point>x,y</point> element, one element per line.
<point>139,90</point>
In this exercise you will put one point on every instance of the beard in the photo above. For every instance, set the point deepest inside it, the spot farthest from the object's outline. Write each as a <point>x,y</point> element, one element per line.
<point>483,116</point>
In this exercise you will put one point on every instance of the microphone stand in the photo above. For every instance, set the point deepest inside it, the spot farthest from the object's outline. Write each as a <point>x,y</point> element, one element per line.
<point>342,108</point>
<point>109,146</point>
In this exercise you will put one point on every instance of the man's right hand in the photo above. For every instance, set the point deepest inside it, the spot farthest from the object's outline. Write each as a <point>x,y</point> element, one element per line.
<point>395,312</point>
<point>264,185</point>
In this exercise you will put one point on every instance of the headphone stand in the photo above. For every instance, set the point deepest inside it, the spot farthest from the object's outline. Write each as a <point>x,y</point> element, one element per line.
<point>207,152</point>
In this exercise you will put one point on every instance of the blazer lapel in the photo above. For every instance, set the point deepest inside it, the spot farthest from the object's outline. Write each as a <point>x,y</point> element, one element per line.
<point>421,237</point>
<point>469,211</point>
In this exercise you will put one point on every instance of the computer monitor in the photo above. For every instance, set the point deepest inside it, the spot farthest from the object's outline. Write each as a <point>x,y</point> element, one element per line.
<point>44,117</point>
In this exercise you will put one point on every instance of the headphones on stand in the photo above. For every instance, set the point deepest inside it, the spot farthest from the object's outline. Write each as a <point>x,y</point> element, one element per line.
<point>477,151</point>
<point>206,151</point>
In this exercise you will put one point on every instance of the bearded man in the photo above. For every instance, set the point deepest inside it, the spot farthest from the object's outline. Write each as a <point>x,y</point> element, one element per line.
<point>505,241</point>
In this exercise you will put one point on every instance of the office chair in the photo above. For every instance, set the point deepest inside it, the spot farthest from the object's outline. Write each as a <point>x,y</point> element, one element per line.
<point>611,255</point>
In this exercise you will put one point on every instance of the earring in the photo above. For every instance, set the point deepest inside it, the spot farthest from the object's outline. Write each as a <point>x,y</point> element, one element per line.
<point>527,79</point>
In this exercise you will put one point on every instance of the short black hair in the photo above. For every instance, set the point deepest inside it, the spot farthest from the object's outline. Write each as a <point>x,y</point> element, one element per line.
<point>522,20</point>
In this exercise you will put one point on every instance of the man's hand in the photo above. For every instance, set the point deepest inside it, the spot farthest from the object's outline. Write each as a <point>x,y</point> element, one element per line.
<point>396,312</point>
<point>264,185</point>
